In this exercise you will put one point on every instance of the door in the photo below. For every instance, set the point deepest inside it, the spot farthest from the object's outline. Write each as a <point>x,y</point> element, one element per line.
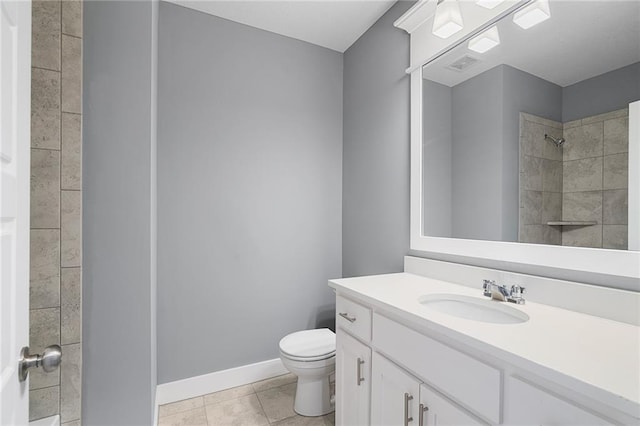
<point>438,411</point>
<point>15,100</point>
<point>395,394</point>
<point>353,381</point>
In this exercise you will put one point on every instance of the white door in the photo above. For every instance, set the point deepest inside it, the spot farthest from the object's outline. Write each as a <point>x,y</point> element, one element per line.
<point>438,411</point>
<point>15,107</point>
<point>395,394</point>
<point>353,381</point>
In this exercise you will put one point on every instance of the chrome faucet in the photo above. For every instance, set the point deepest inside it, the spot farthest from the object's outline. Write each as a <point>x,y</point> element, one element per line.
<point>500,292</point>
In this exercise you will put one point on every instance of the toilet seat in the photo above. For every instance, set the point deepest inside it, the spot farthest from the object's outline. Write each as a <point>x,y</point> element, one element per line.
<point>309,345</point>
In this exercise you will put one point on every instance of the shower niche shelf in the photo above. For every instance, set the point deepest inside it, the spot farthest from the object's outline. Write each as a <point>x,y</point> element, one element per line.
<point>572,223</point>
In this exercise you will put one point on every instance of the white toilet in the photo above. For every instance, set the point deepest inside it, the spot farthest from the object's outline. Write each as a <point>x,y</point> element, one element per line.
<point>311,355</point>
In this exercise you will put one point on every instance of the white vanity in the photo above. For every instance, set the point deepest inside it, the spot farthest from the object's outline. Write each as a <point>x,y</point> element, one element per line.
<point>399,361</point>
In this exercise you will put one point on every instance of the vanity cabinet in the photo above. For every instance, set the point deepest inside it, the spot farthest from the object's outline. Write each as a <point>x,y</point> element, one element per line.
<point>353,380</point>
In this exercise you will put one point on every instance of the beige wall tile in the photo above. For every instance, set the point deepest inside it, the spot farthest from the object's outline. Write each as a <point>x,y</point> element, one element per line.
<point>44,402</point>
<point>615,207</point>
<point>582,206</point>
<point>615,237</point>
<point>531,207</point>
<point>552,235</point>
<point>45,109</point>
<point>45,188</point>
<point>72,17</point>
<point>531,174</point>
<point>583,142</point>
<point>616,135</point>
<point>571,124</point>
<point>531,138</point>
<point>616,171</point>
<point>551,175</point>
<point>70,382</point>
<point>72,423</point>
<point>551,206</point>
<point>606,116</point>
<point>71,306</point>
<point>551,151</point>
<point>533,234</point>
<point>44,331</point>
<point>44,276</point>
<point>71,86</point>
<point>71,157</point>
<point>582,236</point>
<point>71,229</point>
<point>45,34</point>
<point>582,175</point>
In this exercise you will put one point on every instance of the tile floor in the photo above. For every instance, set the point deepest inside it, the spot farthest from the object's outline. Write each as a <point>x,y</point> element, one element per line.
<point>269,402</point>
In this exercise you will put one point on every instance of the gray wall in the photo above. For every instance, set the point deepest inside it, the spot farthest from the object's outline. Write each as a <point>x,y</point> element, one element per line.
<point>118,380</point>
<point>249,191</point>
<point>375,202</point>
<point>607,92</point>
<point>485,148</point>
<point>437,162</point>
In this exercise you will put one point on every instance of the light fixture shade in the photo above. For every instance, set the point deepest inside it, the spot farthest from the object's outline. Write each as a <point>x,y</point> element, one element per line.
<point>485,41</point>
<point>533,14</point>
<point>448,19</point>
<point>488,4</point>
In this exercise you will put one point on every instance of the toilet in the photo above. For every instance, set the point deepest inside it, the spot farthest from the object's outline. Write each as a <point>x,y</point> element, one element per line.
<point>311,355</point>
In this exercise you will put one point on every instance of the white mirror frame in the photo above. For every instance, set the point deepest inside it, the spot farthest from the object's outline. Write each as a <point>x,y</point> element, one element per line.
<point>615,263</point>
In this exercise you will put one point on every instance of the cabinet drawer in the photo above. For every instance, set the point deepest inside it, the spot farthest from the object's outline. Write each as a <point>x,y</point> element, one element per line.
<point>462,378</point>
<point>354,318</point>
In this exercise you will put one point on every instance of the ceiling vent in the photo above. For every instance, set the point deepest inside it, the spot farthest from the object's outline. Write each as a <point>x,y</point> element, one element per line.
<point>462,63</point>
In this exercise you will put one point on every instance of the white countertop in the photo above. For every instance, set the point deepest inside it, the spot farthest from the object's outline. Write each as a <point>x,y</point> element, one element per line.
<point>597,357</point>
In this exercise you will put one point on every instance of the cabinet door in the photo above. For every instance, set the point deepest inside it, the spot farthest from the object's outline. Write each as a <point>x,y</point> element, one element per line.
<point>438,411</point>
<point>394,394</point>
<point>353,381</point>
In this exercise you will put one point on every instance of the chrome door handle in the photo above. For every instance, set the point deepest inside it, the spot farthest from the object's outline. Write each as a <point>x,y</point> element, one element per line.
<point>346,316</point>
<point>407,419</point>
<point>49,361</point>
<point>421,411</point>
<point>360,378</point>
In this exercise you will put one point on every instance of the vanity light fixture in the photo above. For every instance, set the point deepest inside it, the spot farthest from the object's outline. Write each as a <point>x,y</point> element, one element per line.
<point>488,4</point>
<point>448,19</point>
<point>485,41</point>
<point>533,14</point>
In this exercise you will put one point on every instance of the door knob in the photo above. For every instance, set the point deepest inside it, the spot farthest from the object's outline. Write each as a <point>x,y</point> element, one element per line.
<point>49,360</point>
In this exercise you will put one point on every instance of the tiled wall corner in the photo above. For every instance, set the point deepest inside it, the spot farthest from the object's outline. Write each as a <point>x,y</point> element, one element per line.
<point>595,180</point>
<point>56,215</point>
<point>540,180</point>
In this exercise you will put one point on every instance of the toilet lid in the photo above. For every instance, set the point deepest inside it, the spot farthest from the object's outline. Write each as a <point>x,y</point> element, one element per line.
<point>309,343</point>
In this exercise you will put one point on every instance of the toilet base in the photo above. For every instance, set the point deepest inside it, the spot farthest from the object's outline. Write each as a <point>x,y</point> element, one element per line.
<point>313,397</point>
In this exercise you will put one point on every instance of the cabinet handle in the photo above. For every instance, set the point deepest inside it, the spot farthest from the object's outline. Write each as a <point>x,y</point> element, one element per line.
<point>407,419</point>
<point>360,378</point>
<point>423,409</point>
<point>346,316</point>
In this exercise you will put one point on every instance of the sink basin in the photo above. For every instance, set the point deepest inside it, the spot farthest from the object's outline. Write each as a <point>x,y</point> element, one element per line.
<point>473,308</point>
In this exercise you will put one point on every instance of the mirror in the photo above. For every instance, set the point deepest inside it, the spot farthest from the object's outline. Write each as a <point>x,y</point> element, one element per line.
<point>528,141</point>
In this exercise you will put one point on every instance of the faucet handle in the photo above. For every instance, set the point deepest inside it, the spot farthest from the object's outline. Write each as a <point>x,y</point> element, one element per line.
<point>486,286</point>
<point>517,291</point>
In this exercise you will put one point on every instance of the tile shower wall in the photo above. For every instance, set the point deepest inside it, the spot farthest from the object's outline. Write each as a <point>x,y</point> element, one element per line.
<point>540,180</point>
<point>587,180</point>
<point>595,180</point>
<point>56,183</point>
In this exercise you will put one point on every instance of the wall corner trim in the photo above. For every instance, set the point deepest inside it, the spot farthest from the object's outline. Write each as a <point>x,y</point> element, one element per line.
<point>218,380</point>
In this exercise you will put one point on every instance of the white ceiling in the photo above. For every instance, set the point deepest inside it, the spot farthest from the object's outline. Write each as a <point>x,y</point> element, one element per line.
<point>582,39</point>
<point>334,24</point>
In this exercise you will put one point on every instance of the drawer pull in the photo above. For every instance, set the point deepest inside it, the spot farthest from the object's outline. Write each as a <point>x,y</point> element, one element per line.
<point>346,316</point>
<point>423,409</point>
<point>407,419</point>
<point>360,378</point>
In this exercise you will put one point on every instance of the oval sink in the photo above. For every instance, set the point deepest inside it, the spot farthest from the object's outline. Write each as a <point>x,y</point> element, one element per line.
<point>473,308</point>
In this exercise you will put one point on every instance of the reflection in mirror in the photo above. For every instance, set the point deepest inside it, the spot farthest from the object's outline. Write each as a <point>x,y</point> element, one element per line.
<point>528,141</point>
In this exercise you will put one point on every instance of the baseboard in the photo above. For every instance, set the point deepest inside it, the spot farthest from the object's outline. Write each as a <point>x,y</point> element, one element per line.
<point>217,381</point>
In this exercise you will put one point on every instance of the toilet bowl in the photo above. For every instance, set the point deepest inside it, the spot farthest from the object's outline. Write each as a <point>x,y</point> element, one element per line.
<point>311,355</point>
